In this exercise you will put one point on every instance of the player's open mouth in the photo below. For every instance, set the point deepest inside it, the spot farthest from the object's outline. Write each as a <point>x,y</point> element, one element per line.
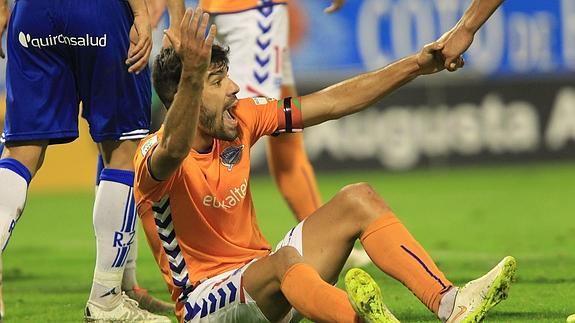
<point>229,116</point>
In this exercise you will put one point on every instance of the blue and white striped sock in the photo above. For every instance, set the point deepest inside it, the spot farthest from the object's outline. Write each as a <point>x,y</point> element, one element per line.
<point>14,180</point>
<point>114,224</point>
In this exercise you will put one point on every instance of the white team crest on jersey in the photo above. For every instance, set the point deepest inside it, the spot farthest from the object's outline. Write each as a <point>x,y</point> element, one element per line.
<point>148,144</point>
<point>231,156</point>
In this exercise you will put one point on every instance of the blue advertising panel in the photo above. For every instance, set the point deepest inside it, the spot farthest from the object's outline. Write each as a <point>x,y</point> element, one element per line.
<point>522,37</point>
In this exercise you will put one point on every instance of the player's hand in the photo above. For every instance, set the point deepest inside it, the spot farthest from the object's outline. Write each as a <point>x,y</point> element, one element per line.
<point>431,61</point>
<point>335,6</point>
<point>4,17</point>
<point>174,41</point>
<point>140,43</point>
<point>193,47</point>
<point>455,43</point>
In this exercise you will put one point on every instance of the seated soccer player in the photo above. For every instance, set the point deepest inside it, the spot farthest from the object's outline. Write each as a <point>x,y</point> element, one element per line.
<point>193,194</point>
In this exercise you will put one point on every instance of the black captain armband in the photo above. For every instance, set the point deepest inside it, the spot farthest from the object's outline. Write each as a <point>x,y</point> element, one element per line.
<point>289,116</point>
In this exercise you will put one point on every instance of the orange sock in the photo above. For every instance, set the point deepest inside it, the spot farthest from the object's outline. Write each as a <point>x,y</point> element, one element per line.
<point>314,298</point>
<point>394,250</point>
<point>294,174</point>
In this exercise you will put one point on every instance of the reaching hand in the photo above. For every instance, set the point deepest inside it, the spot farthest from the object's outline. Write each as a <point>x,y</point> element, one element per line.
<point>335,6</point>
<point>455,43</point>
<point>4,16</point>
<point>430,60</point>
<point>193,48</point>
<point>140,43</point>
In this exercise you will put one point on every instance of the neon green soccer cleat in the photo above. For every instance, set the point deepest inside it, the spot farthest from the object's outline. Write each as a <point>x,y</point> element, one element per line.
<point>477,297</point>
<point>571,318</point>
<point>365,297</point>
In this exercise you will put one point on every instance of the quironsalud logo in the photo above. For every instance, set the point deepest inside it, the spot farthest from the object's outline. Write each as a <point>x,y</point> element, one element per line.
<point>82,41</point>
<point>24,39</point>
<point>231,156</point>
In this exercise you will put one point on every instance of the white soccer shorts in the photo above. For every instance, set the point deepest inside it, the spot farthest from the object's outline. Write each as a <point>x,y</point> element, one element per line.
<point>223,298</point>
<point>259,54</point>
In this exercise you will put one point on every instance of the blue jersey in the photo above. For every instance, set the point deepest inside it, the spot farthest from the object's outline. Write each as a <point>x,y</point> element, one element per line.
<point>63,52</point>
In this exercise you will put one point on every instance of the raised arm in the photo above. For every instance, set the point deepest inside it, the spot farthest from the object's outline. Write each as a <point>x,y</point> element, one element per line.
<point>457,40</point>
<point>181,120</point>
<point>356,94</point>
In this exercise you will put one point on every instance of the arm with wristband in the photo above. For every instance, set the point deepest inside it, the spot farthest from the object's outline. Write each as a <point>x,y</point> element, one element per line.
<point>357,93</point>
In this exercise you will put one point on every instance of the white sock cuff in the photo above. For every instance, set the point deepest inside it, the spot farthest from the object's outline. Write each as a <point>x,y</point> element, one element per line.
<point>108,278</point>
<point>447,304</point>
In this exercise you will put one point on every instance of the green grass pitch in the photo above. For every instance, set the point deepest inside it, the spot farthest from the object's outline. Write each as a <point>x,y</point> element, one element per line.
<point>467,218</point>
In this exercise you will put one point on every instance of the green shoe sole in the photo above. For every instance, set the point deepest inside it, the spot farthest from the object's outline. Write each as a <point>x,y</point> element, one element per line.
<point>365,297</point>
<point>497,292</point>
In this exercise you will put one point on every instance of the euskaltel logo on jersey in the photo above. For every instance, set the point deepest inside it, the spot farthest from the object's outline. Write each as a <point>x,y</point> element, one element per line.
<point>235,196</point>
<point>231,156</point>
<point>26,40</point>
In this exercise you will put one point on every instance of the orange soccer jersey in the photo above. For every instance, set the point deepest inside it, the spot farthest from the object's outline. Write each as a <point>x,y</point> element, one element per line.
<point>229,6</point>
<point>201,221</point>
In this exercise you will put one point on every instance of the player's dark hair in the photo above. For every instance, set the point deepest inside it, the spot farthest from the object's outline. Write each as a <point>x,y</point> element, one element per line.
<point>168,68</point>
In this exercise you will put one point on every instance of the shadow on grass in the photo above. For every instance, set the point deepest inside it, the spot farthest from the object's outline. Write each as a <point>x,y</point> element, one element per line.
<point>17,274</point>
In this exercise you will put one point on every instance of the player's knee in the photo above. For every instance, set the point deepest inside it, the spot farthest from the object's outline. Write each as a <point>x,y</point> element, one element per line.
<point>284,258</point>
<point>29,154</point>
<point>119,154</point>
<point>354,195</point>
<point>361,202</point>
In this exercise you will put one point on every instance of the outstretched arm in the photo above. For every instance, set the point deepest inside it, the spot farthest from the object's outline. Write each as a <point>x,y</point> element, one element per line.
<point>182,118</point>
<point>457,40</point>
<point>356,94</point>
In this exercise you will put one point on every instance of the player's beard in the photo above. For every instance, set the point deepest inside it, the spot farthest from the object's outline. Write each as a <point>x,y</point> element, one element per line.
<point>214,129</point>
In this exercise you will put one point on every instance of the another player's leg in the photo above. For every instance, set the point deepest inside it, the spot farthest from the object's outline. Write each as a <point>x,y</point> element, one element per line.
<point>114,225</point>
<point>129,279</point>
<point>134,291</point>
<point>18,164</point>
<point>117,107</point>
<point>358,212</point>
<point>291,168</point>
<point>293,174</point>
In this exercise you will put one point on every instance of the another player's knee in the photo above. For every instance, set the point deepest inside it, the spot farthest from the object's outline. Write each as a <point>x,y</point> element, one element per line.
<point>29,154</point>
<point>119,154</point>
<point>361,202</point>
<point>284,258</point>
